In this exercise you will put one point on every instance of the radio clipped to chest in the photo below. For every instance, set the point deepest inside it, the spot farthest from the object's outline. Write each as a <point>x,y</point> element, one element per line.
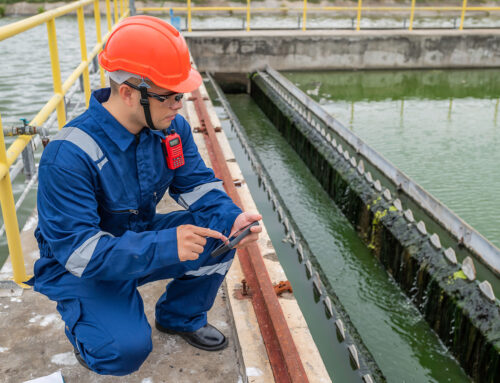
<point>173,150</point>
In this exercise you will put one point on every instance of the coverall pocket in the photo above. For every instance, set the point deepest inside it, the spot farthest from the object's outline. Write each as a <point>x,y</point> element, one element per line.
<point>118,221</point>
<point>82,330</point>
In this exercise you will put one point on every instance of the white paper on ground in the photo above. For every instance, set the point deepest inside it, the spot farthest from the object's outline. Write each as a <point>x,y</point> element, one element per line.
<point>56,377</point>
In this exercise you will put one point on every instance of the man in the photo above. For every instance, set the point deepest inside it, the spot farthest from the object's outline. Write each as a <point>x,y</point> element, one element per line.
<point>100,179</point>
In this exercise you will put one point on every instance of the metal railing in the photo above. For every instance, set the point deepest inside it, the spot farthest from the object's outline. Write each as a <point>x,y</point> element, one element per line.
<point>462,8</point>
<point>22,145</point>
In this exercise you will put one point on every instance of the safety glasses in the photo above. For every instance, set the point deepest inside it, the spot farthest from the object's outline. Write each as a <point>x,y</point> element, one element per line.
<point>159,97</point>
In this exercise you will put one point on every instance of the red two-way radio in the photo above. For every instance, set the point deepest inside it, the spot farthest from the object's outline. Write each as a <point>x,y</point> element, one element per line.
<point>173,148</point>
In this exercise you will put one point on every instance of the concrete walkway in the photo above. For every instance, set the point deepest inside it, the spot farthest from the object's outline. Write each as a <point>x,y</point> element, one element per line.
<point>33,344</point>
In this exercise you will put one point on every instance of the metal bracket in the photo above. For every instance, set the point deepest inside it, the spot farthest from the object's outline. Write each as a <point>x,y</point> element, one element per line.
<point>281,287</point>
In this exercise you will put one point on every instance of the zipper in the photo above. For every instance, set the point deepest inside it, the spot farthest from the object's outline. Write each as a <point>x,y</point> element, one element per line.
<point>132,211</point>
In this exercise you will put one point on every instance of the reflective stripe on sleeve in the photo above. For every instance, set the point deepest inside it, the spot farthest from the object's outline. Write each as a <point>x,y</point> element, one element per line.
<point>220,268</point>
<point>79,259</point>
<point>187,199</point>
<point>84,142</point>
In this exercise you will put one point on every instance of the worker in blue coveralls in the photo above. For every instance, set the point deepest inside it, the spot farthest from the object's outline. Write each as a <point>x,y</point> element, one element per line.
<point>100,180</point>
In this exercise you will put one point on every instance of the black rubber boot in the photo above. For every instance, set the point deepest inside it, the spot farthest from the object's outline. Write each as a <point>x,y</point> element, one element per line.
<point>80,359</point>
<point>207,338</point>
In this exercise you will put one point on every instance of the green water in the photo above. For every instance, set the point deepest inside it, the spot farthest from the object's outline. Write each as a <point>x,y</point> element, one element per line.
<point>26,85</point>
<point>402,343</point>
<point>439,127</point>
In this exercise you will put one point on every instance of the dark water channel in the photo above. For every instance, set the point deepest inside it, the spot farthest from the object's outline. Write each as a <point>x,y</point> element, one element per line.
<point>400,340</point>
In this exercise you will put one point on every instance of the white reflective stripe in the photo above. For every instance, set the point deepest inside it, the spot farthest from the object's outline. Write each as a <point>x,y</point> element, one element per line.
<point>78,261</point>
<point>84,142</point>
<point>101,163</point>
<point>220,268</point>
<point>187,199</point>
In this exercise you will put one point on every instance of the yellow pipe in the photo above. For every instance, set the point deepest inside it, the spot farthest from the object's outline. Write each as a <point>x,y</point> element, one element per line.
<point>248,15</point>
<point>10,219</point>
<point>108,15</point>
<point>97,17</point>
<point>115,7</point>
<point>83,50</point>
<point>315,9</point>
<point>464,7</point>
<point>304,16</point>
<point>56,71</point>
<point>47,110</point>
<point>412,15</point>
<point>13,29</point>
<point>358,25</point>
<point>189,15</point>
<point>121,8</point>
<point>151,9</point>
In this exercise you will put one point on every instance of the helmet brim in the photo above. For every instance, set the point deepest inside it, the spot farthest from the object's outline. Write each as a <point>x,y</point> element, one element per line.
<point>191,83</point>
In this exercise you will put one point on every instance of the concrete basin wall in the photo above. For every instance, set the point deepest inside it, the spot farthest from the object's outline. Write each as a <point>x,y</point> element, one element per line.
<point>243,52</point>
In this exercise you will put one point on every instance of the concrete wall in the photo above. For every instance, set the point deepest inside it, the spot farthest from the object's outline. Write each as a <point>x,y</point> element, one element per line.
<point>239,51</point>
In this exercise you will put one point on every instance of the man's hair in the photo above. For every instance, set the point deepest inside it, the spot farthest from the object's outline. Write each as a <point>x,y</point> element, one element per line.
<point>114,86</point>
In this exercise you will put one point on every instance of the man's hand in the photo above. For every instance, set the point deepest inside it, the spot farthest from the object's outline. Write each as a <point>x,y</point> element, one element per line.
<point>192,239</point>
<point>243,220</point>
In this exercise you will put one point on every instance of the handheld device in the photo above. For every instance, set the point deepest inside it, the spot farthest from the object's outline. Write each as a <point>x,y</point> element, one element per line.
<point>234,240</point>
<point>173,148</point>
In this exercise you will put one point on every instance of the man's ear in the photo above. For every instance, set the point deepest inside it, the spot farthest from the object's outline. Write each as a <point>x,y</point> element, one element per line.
<point>126,94</point>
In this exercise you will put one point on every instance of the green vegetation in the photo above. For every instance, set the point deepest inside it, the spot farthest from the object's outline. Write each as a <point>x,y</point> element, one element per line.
<point>2,11</point>
<point>40,10</point>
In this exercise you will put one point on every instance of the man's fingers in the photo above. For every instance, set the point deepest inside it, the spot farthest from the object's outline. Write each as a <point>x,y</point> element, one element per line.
<point>254,217</point>
<point>196,248</point>
<point>199,240</point>
<point>204,232</point>
<point>256,229</point>
<point>248,239</point>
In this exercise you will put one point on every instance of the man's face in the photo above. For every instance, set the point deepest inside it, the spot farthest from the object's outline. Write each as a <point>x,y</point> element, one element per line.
<point>162,113</point>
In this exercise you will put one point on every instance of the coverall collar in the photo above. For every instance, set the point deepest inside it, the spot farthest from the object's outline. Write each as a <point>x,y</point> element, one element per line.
<point>115,131</point>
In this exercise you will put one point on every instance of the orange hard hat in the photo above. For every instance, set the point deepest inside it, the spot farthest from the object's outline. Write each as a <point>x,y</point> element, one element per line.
<point>153,49</point>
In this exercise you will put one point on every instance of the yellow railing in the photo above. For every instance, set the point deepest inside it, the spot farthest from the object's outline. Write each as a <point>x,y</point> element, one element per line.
<point>410,9</point>
<point>56,102</point>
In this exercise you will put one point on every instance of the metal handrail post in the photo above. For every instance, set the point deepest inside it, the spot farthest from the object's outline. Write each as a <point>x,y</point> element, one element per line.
<point>464,8</point>
<point>97,17</point>
<point>83,49</point>
<point>248,15</point>
<point>412,15</point>
<point>115,8</point>
<point>189,15</point>
<point>121,9</point>
<point>358,25</point>
<point>29,167</point>
<point>108,15</point>
<point>56,71</point>
<point>133,11</point>
<point>304,16</point>
<point>10,217</point>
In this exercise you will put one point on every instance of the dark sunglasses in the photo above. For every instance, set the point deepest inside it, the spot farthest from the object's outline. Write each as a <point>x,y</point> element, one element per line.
<point>159,97</point>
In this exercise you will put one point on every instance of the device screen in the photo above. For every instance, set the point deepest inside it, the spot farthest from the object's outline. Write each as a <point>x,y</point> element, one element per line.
<point>174,142</point>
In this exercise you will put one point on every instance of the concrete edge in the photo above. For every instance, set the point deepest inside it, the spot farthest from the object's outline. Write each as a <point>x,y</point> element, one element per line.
<point>242,309</point>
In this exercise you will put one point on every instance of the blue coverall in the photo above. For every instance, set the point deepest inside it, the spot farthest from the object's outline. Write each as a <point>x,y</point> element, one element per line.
<point>100,237</point>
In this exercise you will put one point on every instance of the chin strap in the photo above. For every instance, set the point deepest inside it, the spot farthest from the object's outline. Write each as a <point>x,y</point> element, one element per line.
<point>143,87</point>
